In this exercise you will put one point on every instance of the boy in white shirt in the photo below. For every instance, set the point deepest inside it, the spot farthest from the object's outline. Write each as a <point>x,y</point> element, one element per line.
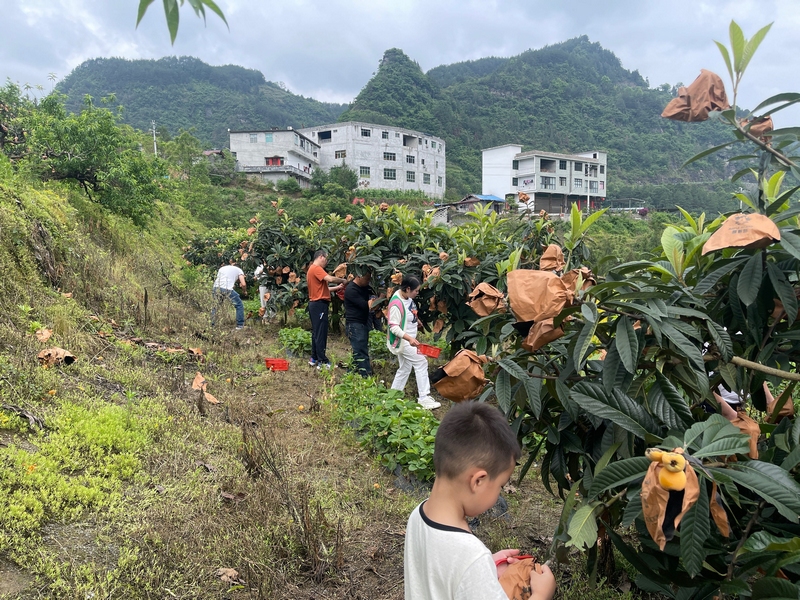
<point>474,456</point>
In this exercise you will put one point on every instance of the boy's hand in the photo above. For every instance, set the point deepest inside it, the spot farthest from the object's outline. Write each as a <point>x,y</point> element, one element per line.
<point>506,557</point>
<point>543,583</point>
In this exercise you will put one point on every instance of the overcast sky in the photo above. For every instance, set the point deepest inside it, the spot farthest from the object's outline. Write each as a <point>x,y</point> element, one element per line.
<point>329,49</point>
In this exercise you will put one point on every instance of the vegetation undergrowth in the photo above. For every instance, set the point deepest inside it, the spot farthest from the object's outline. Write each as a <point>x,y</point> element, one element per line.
<point>398,430</point>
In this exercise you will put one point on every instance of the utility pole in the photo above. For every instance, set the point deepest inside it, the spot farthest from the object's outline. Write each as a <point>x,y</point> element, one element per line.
<point>155,147</point>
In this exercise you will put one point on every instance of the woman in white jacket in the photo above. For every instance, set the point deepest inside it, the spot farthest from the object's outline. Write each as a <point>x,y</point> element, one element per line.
<point>401,338</point>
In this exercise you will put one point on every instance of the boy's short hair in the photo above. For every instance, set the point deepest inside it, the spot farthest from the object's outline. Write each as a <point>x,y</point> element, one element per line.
<point>474,434</point>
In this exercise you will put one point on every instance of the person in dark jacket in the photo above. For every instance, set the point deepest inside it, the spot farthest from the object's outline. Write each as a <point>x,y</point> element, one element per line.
<point>357,313</point>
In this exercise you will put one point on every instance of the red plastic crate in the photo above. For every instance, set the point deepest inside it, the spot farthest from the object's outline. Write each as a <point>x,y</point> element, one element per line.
<point>427,350</point>
<point>277,364</point>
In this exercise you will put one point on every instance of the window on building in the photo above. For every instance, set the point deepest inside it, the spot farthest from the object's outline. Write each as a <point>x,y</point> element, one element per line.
<point>420,141</point>
<point>366,132</point>
<point>267,138</point>
<point>548,183</point>
<point>397,134</point>
<point>562,165</point>
<point>422,160</point>
<point>296,140</point>
<point>253,138</point>
<point>592,170</point>
<point>592,187</point>
<point>547,165</point>
<point>340,154</point>
<point>363,171</point>
<point>515,165</point>
<point>426,178</point>
<point>602,169</point>
<point>439,181</point>
<point>578,167</point>
<point>410,159</point>
<point>389,156</point>
<point>411,176</point>
<point>578,184</point>
<point>433,144</point>
<point>437,164</point>
<point>602,185</point>
<point>562,181</point>
<point>514,181</point>
<point>384,135</point>
<point>390,174</point>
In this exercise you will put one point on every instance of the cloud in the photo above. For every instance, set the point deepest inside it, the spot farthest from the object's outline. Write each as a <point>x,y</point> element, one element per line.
<point>330,50</point>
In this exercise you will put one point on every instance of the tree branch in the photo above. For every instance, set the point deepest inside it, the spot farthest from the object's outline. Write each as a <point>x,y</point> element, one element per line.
<point>749,364</point>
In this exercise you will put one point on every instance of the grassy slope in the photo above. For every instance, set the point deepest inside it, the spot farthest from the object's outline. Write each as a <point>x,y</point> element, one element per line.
<point>145,491</point>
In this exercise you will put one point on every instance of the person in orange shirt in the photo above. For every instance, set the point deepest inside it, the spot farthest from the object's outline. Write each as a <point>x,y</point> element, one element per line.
<point>319,299</point>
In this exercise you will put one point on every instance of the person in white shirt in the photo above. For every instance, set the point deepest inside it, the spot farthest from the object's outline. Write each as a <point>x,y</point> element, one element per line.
<point>401,339</point>
<point>227,277</point>
<point>474,455</point>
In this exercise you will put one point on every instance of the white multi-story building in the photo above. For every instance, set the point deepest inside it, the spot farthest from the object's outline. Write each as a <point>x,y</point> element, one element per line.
<point>385,158</point>
<point>275,154</point>
<point>550,180</point>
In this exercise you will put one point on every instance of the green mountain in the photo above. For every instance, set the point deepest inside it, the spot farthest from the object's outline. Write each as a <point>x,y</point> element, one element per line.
<point>185,92</point>
<point>569,97</point>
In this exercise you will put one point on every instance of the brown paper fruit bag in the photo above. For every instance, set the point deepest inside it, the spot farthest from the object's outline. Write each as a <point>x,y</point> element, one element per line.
<point>54,356</point>
<point>536,295</point>
<point>464,378</point>
<point>750,428</point>
<point>516,580</point>
<point>552,259</point>
<point>664,510</point>
<point>743,231</point>
<point>542,333</point>
<point>787,410</point>
<point>570,278</point>
<point>340,271</point>
<point>718,512</point>
<point>706,93</point>
<point>486,299</point>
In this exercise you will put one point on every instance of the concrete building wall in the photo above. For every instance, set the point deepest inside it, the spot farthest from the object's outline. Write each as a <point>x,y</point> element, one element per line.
<point>373,151</point>
<point>496,170</point>
<point>557,178</point>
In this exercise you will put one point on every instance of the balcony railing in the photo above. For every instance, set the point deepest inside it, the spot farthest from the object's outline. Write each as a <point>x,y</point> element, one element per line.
<point>274,169</point>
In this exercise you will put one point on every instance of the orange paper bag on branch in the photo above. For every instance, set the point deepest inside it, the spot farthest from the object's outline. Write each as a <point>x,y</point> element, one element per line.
<point>536,295</point>
<point>751,429</point>
<point>462,378</point>
<point>706,93</point>
<point>570,278</point>
<point>486,299</point>
<point>552,259</point>
<point>663,510</point>
<point>542,333</point>
<point>340,270</point>
<point>743,231</point>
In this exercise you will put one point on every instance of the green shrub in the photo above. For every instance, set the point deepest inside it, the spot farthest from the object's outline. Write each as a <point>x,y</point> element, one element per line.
<point>398,430</point>
<point>288,186</point>
<point>377,345</point>
<point>296,340</point>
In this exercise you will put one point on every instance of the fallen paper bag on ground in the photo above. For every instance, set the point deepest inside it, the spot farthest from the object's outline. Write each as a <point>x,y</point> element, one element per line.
<point>486,299</point>
<point>663,510</point>
<point>200,384</point>
<point>54,356</point>
<point>542,333</point>
<point>743,231</point>
<point>536,295</point>
<point>706,93</point>
<point>464,378</point>
<point>552,259</point>
<point>516,579</point>
<point>570,278</point>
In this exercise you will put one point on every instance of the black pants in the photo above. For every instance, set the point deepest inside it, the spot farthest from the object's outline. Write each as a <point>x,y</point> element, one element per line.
<point>359,341</point>
<point>318,311</point>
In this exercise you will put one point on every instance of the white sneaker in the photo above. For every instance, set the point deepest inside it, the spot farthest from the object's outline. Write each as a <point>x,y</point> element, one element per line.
<point>429,403</point>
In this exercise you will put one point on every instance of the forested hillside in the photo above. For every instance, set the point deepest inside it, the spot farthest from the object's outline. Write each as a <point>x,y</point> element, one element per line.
<point>185,92</point>
<point>569,97</point>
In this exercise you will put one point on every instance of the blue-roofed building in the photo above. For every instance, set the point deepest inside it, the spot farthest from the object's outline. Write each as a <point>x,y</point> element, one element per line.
<point>469,202</point>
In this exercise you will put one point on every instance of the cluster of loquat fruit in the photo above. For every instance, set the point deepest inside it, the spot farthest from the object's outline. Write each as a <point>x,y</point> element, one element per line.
<point>672,477</point>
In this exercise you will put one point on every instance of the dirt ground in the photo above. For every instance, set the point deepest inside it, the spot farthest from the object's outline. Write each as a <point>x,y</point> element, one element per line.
<point>205,508</point>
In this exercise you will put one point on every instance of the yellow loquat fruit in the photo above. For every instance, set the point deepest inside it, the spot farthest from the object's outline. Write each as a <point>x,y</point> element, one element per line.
<point>654,454</point>
<point>673,462</point>
<point>672,481</point>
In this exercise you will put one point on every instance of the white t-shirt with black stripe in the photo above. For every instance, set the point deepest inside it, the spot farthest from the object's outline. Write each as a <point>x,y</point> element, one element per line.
<point>447,563</point>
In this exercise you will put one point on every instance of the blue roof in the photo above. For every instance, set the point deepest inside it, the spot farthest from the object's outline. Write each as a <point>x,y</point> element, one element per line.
<point>488,197</point>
